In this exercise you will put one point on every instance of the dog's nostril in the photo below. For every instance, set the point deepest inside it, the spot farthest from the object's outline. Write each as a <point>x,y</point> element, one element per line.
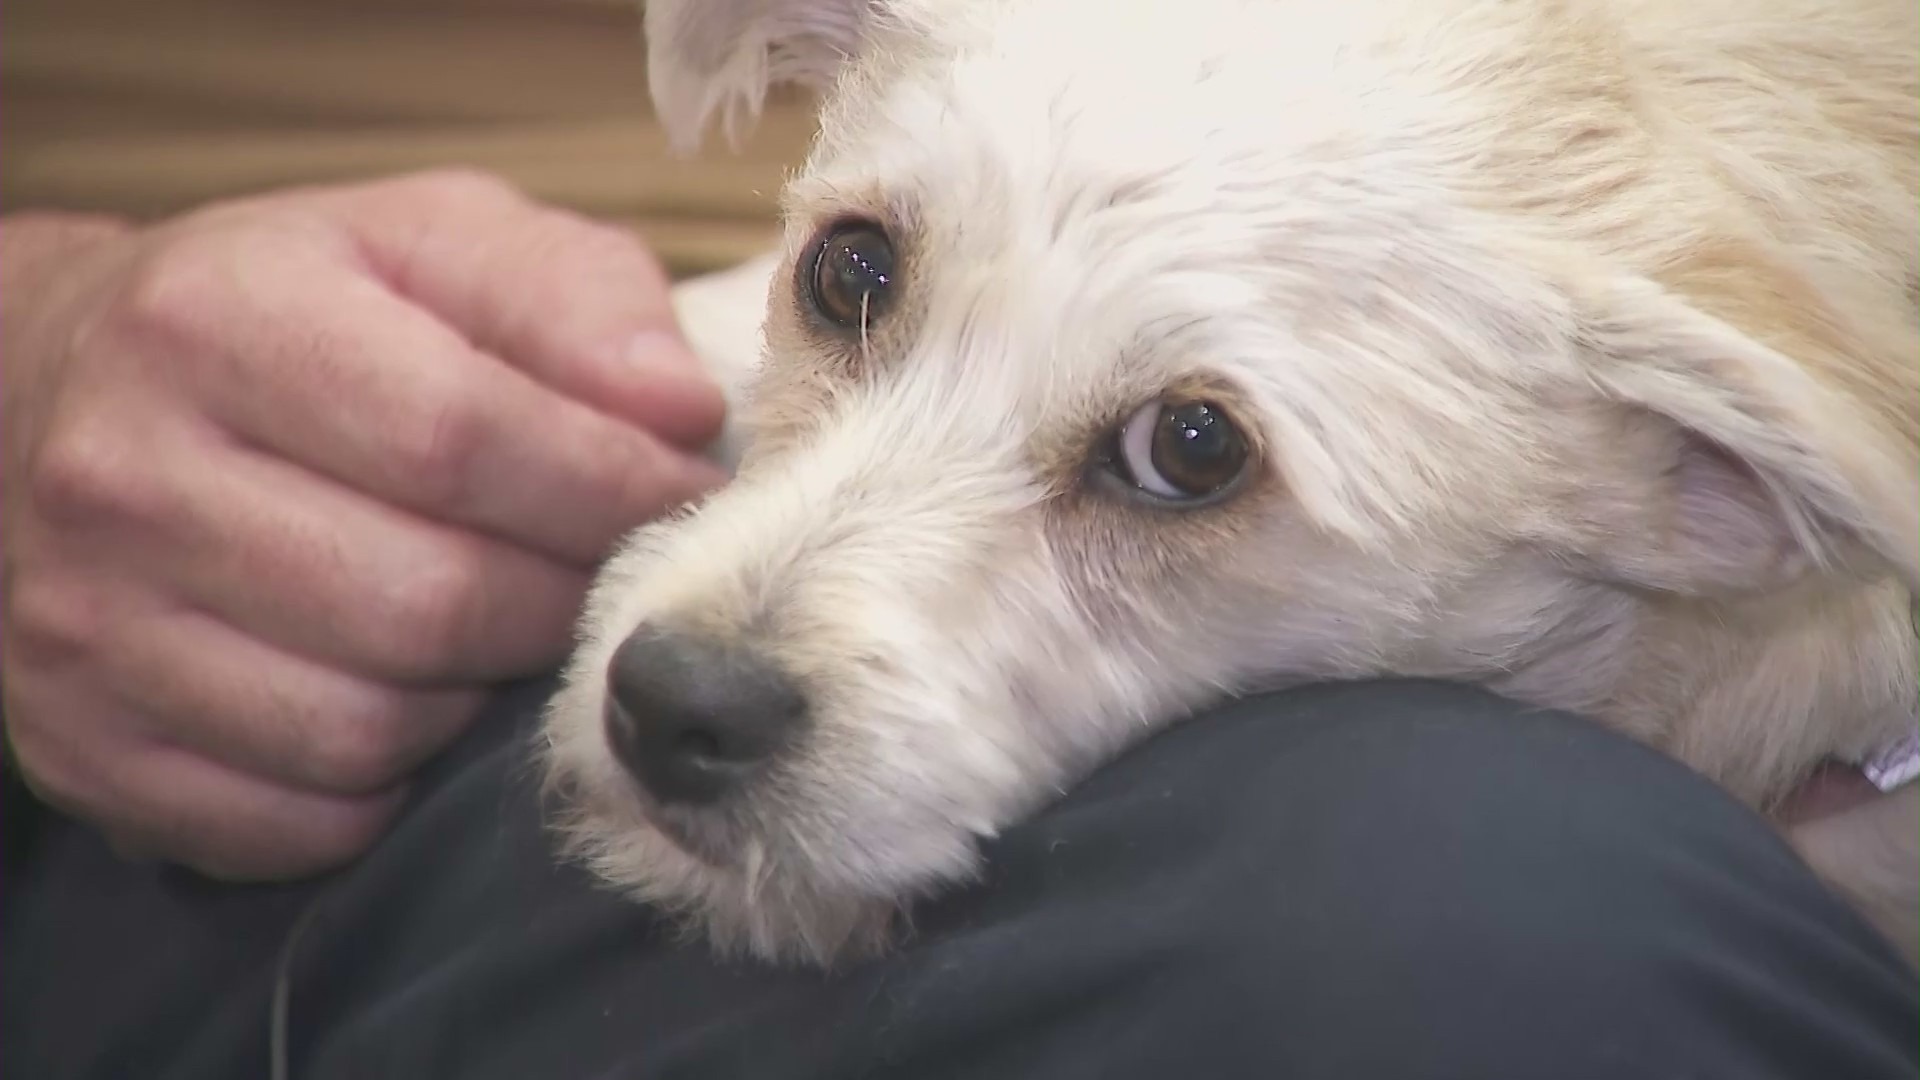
<point>703,744</point>
<point>693,719</point>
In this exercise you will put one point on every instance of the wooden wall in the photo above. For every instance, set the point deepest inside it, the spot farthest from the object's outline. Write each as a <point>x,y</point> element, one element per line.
<point>145,107</point>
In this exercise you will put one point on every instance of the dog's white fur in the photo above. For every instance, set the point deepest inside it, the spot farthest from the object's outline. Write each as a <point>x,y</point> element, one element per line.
<point>1577,340</point>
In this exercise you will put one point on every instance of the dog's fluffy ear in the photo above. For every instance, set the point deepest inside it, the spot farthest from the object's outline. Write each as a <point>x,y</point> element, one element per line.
<point>708,57</point>
<point>1774,473</point>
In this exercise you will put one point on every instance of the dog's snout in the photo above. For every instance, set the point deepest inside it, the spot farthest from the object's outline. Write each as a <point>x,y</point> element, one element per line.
<point>693,718</point>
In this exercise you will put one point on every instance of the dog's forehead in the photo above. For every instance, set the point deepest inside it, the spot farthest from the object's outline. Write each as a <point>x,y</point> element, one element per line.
<point>1085,231</point>
<point>1177,141</point>
<point>1072,199</point>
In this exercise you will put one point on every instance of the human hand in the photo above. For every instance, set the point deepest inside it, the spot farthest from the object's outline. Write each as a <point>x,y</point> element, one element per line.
<point>1866,844</point>
<point>1831,789</point>
<point>289,481</point>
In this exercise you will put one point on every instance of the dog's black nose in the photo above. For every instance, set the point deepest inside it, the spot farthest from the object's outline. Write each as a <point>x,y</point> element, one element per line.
<point>693,718</point>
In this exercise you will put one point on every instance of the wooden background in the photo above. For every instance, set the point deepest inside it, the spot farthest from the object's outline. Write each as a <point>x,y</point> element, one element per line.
<point>146,107</point>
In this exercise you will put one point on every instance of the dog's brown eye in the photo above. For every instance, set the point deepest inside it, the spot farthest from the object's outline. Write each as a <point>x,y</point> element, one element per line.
<point>852,275</point>
<point>1181,451</point>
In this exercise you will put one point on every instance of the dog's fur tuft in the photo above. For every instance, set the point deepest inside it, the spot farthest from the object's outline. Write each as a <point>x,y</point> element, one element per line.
<point>717,59</point>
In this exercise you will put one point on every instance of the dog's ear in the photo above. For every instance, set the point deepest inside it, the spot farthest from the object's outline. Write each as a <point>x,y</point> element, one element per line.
<point>708,57</point>
<point>1775,473</point>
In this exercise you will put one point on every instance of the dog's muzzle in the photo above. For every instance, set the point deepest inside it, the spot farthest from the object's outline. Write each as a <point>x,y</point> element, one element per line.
<point>693,719</point>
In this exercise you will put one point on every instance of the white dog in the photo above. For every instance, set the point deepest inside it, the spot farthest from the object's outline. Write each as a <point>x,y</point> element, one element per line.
<point>1125,355</point>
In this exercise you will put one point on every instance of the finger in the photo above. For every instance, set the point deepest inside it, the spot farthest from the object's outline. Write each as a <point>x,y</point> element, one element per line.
<point>580,306</point>
<point>1832,788</point>
<point>234,826</point>
<point>328,573</point>
<point>209,688</point>
<point>170,803</point>
<point>334,372</point>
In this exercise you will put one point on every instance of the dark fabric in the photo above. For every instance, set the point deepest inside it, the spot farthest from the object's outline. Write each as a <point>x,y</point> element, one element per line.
<point>1360,881</point>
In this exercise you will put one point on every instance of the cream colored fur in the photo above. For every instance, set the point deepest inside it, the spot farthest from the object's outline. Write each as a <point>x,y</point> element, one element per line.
<point>1577,338</point>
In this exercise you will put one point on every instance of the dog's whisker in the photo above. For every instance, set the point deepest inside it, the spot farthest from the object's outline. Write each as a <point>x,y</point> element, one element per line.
<point>754,868</point>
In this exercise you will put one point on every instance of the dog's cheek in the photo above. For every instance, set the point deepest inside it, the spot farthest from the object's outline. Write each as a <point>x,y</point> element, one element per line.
<point>921,748</point>
<point>899,803</point>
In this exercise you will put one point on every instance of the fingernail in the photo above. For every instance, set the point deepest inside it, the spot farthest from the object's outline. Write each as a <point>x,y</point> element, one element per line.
<point>709,476</point>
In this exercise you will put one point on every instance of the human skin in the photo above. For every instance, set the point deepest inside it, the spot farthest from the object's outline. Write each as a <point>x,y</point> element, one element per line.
<point>290,481</point>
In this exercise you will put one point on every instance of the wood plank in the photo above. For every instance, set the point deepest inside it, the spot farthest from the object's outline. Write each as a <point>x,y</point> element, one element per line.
<point>597,166</point>
<point>148,107</point>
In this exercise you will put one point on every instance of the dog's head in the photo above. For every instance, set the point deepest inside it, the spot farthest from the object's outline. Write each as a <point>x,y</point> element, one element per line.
<point>1111,371</point>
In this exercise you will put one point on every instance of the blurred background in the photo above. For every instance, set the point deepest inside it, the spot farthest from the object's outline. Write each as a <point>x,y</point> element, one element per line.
<point>148,107</point>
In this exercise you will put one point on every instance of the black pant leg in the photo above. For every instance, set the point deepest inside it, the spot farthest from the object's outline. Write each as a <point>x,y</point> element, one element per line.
<point>1406,880</point>
<point>1393,880</point>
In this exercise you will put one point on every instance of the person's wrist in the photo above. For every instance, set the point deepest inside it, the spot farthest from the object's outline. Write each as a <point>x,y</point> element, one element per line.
<point>38,253</point>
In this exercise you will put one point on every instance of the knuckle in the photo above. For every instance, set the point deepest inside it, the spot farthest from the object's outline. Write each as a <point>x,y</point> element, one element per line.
<point>344,832</point>
<point>51,618</point>
<point>422,624</point>
<point>612,242</point>
<point>83,473</point>
<point>179,292</point>
<point>271,847</point>
<point>358,751</point>
<point>51,775</point>
<point>66,753</point>
<point>560,237</point>
<point>460,184</point>
<point>436,452</point>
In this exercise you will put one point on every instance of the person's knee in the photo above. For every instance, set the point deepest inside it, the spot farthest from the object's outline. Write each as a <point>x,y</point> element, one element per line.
<point>1464,872</point>
<point>1417,814</point>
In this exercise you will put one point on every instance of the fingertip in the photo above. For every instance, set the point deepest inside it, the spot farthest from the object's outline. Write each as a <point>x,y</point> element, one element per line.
<point>332,831</point>
<point>679,480</point>
<point>706,479</point>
